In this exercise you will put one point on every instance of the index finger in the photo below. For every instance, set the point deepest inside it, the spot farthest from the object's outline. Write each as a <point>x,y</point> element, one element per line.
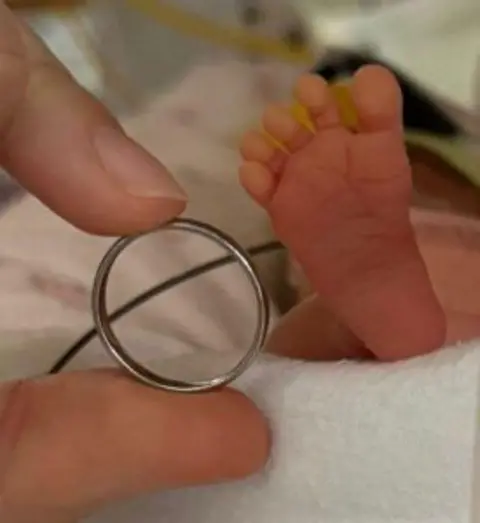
<point>64,146</point>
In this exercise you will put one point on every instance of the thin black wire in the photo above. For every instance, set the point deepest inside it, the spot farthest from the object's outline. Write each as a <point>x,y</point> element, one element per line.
<point>154,291</point>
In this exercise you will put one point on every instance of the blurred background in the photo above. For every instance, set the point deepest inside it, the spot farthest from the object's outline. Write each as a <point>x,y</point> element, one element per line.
<point>186,78</point>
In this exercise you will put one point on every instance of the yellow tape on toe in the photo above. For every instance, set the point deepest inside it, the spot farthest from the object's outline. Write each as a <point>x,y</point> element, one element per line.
<point>302,116</point>
<point>275,143</point>
<point>345,105</point>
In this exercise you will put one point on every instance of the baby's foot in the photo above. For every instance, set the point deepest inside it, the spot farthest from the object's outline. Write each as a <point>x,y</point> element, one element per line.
<point>339,200</point>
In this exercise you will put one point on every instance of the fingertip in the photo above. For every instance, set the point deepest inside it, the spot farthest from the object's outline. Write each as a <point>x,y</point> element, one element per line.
<point>140,215</point>
<point>213,437</point>
<point>254,445</point>
<point>106,185</point>
<point>192,439</point>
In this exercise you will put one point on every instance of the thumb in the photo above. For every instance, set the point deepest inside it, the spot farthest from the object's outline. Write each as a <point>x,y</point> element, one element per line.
<point>64,147</point>
<point>73,442</point>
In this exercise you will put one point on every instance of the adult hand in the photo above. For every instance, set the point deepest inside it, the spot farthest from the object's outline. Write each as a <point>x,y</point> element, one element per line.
<point>70,443</point>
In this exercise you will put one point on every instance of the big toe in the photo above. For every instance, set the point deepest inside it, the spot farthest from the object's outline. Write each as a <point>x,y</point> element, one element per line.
<point>377,98</point>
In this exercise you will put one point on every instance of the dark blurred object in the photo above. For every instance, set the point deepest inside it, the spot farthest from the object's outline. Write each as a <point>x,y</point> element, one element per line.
<point>420,113</point>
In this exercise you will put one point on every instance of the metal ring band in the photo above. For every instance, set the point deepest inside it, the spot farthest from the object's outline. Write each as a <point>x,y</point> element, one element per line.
<point>142,373</point>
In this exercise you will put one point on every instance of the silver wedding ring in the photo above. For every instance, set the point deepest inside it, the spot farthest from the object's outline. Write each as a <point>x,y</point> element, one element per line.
<point>139,371</point>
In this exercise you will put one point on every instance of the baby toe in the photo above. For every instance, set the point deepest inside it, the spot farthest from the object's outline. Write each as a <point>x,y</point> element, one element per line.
<point>314,94</point>
<point>280,123</point>
<point>258,181</point>
<point>256,147</point>
<point>378,153</point>
<point>378,99</point>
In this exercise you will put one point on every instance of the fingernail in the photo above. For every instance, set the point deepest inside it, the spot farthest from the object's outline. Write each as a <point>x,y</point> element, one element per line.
<point>135,169</point>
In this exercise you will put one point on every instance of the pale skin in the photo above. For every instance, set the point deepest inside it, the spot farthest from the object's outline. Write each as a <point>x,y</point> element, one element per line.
<point>339,200</point>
